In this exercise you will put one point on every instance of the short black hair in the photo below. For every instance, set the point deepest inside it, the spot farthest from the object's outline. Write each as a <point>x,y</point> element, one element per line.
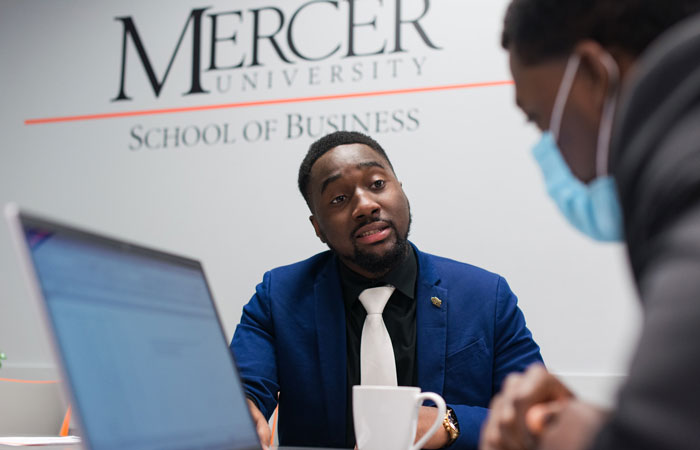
<point>329,142</point>
<point>538,30</point>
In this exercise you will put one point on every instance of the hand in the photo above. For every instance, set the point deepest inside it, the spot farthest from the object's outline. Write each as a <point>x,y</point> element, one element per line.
<point>538,417</point>
<point>506,427</point>
<point>572,426</point>
<point>261,425</point>
<point>426,418</point>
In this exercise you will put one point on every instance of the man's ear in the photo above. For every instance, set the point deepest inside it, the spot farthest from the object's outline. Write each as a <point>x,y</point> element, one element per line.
<point>599,83</point>
<point>317,229</point>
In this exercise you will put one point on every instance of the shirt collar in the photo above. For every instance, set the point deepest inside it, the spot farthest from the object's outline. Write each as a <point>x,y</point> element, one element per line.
<point>403,277</point>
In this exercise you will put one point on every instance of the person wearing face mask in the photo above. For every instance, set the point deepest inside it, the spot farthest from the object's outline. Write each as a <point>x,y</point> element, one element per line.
<point>593,209</point>
<point>615,87</point>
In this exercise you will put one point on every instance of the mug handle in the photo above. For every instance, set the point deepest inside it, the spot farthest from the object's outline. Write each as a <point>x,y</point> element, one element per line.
<point>442,409</point>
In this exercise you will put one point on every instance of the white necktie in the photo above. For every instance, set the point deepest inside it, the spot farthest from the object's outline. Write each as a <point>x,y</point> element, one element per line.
<point>377,365</point>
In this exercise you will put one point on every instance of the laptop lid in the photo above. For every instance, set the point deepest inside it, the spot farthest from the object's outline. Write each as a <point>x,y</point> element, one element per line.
<point>137,336</point>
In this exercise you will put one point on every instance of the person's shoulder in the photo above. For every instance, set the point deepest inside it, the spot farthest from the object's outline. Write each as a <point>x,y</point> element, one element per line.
<point>304,269</point>
<point>444,265</point>
<point>292,282</point>
<point>466,279</point>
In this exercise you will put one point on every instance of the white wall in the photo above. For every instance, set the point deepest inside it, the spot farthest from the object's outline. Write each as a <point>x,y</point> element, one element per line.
<point>475,191</point>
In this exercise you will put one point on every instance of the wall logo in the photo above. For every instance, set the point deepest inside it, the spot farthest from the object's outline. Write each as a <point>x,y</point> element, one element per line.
<point>281,49</point>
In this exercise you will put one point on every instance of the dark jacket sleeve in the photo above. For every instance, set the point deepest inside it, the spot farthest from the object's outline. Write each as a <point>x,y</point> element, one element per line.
<point>515,349</point>
<point>253,348</point>
<point>659,405</point>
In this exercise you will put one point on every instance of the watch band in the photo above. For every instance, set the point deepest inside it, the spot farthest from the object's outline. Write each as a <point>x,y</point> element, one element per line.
<point>451,425</point>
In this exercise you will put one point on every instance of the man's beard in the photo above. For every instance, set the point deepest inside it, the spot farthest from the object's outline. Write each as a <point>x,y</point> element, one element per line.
<point>381,264</point>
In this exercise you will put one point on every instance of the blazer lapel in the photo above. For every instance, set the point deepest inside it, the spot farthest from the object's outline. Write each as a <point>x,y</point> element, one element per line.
<point>330,326</point>
<point>431,326</point>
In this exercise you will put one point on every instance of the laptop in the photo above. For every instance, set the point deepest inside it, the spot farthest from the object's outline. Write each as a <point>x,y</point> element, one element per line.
<point>137,338</point>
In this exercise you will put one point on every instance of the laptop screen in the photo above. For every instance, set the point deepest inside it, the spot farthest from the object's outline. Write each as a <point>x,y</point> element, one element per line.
<point>141,344</point>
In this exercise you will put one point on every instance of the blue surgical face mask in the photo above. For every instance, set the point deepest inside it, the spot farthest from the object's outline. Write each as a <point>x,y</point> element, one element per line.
<point>594,209</point>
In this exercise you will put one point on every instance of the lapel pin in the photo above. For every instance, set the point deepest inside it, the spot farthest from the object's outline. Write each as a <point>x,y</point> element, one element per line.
<point>436,302</point>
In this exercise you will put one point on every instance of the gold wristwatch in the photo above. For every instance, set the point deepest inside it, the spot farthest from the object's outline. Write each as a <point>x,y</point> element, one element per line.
<point>451,426</point>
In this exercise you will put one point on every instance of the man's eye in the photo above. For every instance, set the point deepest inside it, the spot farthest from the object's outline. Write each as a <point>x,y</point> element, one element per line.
<point>378,184</point>
<point>338,199</point>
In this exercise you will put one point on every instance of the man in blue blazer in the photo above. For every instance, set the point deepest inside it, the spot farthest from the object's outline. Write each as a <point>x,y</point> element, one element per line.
<point>455,329</point>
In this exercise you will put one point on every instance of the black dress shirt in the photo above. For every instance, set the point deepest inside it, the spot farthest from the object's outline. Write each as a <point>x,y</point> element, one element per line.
<point>399,317</point>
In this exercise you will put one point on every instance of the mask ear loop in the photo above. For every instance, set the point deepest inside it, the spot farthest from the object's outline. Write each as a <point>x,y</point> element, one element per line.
<point>567,82</point>
<point>606,119</point>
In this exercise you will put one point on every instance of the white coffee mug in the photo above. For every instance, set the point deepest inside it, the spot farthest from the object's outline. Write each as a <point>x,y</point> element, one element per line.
<point>386,417</point>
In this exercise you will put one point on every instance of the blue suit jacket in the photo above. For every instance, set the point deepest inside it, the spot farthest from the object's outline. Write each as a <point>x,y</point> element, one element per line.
<point>291,339</point>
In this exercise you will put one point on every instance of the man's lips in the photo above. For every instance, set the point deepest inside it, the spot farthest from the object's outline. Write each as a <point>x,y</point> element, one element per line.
<point>373,232</point>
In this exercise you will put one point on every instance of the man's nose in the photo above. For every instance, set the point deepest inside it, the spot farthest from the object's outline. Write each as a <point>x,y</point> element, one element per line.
<point>365,205</point>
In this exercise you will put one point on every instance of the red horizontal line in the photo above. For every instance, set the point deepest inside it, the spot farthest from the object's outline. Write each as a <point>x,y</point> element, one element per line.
<point>12,380</point>
<point>281,101</point>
